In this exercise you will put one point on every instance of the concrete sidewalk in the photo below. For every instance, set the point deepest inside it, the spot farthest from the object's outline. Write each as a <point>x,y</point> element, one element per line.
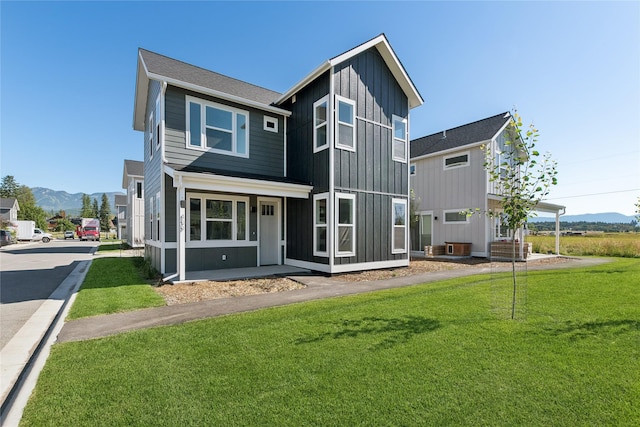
<point>317,287</point>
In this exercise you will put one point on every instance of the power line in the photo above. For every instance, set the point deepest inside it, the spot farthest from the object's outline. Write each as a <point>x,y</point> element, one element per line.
<point>594,194</point>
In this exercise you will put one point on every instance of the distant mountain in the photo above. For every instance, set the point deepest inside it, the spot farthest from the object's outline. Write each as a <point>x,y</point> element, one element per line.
<point>608,217</point>
<point>52,200</point>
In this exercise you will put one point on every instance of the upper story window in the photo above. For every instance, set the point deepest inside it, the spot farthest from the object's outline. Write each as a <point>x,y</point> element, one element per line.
<point>320,124</point>
<point>270,124</point>
<point>399,139</point>
<point>138,190</point>
<point>158,122</point>
<point>217,128</point>
<point>456,161</point>
<point>151,135</point>
<point>412,169</point>
<point>346,119</point>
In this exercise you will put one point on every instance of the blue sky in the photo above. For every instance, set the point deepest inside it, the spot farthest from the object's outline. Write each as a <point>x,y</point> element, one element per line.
<point>572,68</point>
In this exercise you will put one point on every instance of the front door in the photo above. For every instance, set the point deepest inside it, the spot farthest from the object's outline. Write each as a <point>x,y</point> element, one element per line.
<point>426,230</point>
<point>269,233</point>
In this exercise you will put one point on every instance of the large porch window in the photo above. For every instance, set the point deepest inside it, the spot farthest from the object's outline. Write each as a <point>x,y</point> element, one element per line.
<point>217,218</point>
<point>399,227</point>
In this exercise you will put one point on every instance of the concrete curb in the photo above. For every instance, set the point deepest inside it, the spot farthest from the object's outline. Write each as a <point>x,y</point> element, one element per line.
<point>25,354</point>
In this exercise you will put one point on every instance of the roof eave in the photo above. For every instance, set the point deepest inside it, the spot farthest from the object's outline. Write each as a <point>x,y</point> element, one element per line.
<point>305,81</point>
<point>450,150</point>
<point>142,89</point>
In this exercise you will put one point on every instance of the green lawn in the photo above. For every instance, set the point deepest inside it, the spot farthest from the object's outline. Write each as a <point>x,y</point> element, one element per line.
<point>113,285</point>
<point>433,354</point>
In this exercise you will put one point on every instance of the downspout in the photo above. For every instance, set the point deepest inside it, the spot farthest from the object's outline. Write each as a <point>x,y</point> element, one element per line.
<point>181,237</point>
<point>163,207</point>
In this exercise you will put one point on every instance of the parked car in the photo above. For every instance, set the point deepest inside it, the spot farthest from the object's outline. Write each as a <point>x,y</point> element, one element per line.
<point>5,238</point>
<point>68,235</point>
<point>41,235</point>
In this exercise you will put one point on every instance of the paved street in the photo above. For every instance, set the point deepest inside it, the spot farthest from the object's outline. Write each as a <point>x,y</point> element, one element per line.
<point>29,273</point>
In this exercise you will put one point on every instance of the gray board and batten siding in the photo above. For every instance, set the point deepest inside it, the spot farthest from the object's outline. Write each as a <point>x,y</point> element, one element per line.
<point>152,159</point>
<point>306,166</point>
<point>370,172</point>
<point>266,149</point>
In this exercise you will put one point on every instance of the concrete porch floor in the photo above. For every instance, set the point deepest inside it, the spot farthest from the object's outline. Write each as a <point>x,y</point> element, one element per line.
<point>238,273</point>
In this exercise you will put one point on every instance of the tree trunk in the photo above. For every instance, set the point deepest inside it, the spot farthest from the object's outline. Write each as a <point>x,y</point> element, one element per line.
<point>513,273</point>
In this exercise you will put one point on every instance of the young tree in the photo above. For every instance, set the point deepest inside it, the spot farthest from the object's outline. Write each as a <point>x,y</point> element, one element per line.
<point>94,209</point>
<point>638,209</point>
<point>87,210</point>
<point>522,179</point>
<point>105,212</point>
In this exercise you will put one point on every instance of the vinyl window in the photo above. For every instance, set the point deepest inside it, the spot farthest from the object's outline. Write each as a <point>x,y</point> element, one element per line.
<point>320,124</point>
<point>217,218</point>
<point>346,123</point>
<point>270,124</point>
<point>345,225</point>
<point>217,128</point>
<point>320,225</point>
<point>456,161</point>
<point>399,226</point>
<point>399,138</point>
<point>455,217</point>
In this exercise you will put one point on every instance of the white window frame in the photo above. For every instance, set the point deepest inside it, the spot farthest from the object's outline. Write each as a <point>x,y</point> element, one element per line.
<point>204,220</point>
<point>158,123</point>
<point>497,227</point>
<point>316,148</point>
<point>456,165</point>
<point>152,207</point>
<point>340,99</point>
<point>337,224</point>
<point>203,126</point>
<point>151,125</point>
<point>444,216</point>
<point>412,169</point>
<point>394,120</point>
<point>395,227</point>
<point>270,120</point>
<point>317,226</point>
<point>156,219</point>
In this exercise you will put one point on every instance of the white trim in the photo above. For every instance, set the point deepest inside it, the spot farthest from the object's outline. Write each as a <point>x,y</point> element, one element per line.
<point>373,122</point>
<point>332,176</point>
<point>270,120</point>
<point>153,243</point>
<point>344,268</point>
<point>352,103</point>
<point>221,244</point>
<point>395,201</point>
<point>204,220</point>
<point>384,48</point>
<point>284,143</point>
<point>316,226</point>
<point>433,221</point>
<point>316,148</point>
<point>337,225</point>
<point>395,140</point>
<point>150,131</point>
<point>450,150</point>
<point>235,112</point>
<point>444,217</point>
<point>158,121</point>
<point>456,165</point>
<point>222,183</point>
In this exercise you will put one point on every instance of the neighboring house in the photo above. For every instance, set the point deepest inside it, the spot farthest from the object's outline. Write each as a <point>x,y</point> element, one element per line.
<point>120,203</point>
<point>9,209</point>
<point>448,177</point>
<point>133,182</point>
<point>236,175</point>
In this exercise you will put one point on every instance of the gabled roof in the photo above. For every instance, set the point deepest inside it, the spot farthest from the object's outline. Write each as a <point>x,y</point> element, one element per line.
<point>384,48</point>
<point>132,168</point>
<point>471,133</point>
<point>153,66</point>
<point>120,200</point>
<point>9,203</point>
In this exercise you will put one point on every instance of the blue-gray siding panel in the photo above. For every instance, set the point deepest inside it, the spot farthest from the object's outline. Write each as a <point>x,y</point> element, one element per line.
<point>152,162</point>
<point>211,258</point>
<point>266,149</point>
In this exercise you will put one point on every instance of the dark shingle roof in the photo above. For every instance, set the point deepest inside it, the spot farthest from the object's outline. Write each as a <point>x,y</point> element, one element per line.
<point>482,130</point>
<point>181,71</point>
<point>7,202</point>
<point>134,167</point>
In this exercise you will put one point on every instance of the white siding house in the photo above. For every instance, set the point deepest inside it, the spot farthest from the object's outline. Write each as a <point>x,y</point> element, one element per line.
<point>133,182</point>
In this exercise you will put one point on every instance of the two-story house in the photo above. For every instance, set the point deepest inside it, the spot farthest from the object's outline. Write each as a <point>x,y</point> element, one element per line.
<point>236,175</point>
<point>9,208</point>
<point>448,177</point>
<point>133,215</point>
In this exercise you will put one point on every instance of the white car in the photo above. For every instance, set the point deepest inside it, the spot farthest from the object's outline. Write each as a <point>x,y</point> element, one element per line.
<point>41,235</point>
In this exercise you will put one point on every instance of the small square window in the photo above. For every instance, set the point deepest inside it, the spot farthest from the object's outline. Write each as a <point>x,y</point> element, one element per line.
<point>271,124</point>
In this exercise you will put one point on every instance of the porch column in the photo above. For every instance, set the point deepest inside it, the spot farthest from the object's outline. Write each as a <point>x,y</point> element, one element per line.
<point>557,232</point>
<point>180,250</point>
